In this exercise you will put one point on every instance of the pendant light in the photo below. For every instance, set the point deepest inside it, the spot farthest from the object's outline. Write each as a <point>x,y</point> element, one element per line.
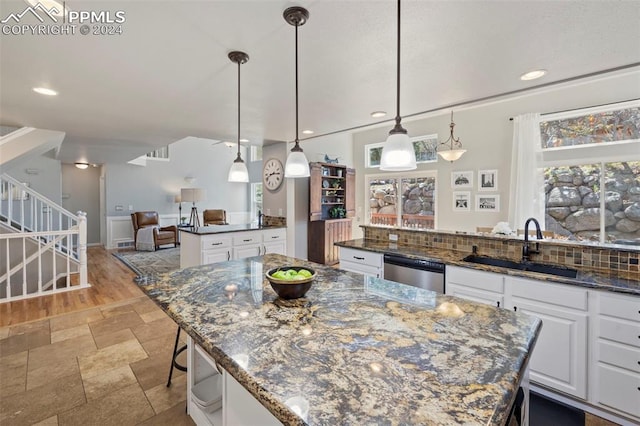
<point>297,165</point>
<point>238,171</point>
<point>451,154</point>
<point>397,152</point>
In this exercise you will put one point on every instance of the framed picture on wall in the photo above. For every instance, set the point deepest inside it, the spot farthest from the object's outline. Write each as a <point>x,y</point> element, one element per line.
<point>425,148</point>
<point>487,203</point>
<point>487,180</point>
<point>462,179</point>
<point>461,201</point>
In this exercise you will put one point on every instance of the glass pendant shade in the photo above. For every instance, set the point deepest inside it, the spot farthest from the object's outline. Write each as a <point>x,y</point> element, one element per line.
<point>238,172</point>
<point>398,154</point>
<point>452,154</point>
<point>297,165</point>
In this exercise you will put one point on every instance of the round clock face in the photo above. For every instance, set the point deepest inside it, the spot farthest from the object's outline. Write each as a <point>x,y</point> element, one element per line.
<point>273,174</point>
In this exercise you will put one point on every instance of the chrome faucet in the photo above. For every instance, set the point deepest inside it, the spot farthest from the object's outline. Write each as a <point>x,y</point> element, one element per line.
<point>260,216</point>
<point>526,251</point>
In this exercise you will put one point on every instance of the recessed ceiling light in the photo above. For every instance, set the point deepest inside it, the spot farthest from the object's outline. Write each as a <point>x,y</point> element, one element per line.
<point>244,140</point>
<point>45,91</point>
<point>54,7</point>
<point>532,75</point>
<point>82,166</point>
<point>307,132</point>
<point>378,114</point>
<point>229,144</point>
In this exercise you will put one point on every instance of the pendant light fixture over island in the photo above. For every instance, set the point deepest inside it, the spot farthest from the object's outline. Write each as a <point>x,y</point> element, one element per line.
<point>297,165</point>
<point>238,171</point>
<point>397,153</point>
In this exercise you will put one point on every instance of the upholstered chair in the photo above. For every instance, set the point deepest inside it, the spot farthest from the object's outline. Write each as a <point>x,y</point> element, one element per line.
<point>161,235</point>
<point>214,217</point>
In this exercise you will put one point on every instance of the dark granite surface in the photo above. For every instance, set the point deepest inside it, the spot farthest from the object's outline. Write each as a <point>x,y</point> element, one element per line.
<point>360,350</point>
<point>611,280</point>
<point>221,229</point>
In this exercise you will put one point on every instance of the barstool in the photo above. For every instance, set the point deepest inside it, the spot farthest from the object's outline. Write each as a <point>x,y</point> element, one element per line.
<point>176,352</point>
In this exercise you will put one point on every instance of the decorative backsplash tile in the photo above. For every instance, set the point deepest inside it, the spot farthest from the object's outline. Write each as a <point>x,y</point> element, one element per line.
<point>274,221</point>
<point>556,252</point>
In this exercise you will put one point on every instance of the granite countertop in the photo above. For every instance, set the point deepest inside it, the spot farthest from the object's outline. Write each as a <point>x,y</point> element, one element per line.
<point>361,350</point>
<point>221,229</point>
<point>611,280</point>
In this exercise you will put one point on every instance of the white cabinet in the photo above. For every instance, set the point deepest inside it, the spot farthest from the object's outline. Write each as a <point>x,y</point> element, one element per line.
<point>559,359</point>
<point>274,241</point>
<point>616,353</point>
<point>204,249</point>
<point>362,262</point>
<point>477,286</point>
<point>236,406</point>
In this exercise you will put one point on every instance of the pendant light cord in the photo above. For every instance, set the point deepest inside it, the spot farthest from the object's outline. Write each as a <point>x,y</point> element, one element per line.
<point>398,71</point>
<point>239,109</point>
<point>296,85</point>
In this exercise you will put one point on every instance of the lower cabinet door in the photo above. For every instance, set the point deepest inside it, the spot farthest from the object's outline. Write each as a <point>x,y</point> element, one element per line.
<point>214,256</point>
<point>249,250</point>
<point>240,408</point>
<point>559,359</point>
<point>279,247</point>
<point>618,389</point>
<point>475,295</point>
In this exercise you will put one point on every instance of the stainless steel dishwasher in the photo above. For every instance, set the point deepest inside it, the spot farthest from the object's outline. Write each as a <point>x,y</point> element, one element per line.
<point>426,274</point>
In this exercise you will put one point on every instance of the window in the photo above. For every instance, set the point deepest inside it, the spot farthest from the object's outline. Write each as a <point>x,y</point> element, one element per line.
<point>256,200</point>
<point>408,200</point>
<point>591,161</point>
<point>159,154</point>
<point>256,153</point>
<point>425,148</point>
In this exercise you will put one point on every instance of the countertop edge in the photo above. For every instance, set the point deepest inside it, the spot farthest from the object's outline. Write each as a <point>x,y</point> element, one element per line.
<point>357,245</point>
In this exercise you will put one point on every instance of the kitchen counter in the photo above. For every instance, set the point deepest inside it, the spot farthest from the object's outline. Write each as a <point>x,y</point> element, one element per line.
<point>611,279</point>
<point>361,350</point>
<point>222,229</point>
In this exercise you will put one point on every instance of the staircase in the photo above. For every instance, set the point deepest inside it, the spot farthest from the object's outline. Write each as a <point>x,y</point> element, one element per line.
<point>42,245</point>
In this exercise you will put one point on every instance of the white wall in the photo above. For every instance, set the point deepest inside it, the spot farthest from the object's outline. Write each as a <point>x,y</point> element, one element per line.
<point>153,187</point>
<point>486,133</point>
<point>42,174</point>
<point>81,191</point>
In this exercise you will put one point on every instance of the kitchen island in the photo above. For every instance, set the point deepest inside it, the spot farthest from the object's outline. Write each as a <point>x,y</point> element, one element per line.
<point>359,350</point>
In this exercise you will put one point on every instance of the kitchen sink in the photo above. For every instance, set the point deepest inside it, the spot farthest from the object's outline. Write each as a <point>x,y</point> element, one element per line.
<point>540,268</point>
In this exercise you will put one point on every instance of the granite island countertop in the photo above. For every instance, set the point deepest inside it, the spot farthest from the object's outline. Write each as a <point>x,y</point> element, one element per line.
<point>611,280</point>
<point>361,350</point>
<point>221,229</point>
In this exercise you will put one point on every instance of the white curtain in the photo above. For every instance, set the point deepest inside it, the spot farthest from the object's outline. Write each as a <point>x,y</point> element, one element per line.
<point>526,193</point>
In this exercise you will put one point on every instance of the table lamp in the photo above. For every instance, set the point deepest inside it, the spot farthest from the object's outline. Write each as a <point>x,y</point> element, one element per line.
<point>194,195</point>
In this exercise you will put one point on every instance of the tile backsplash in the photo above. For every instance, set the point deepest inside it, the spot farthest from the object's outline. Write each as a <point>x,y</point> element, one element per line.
<point>557,252</point>
<point>274,221</point>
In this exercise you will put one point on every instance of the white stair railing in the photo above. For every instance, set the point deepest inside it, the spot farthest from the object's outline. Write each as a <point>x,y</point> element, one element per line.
<point>40,244</point>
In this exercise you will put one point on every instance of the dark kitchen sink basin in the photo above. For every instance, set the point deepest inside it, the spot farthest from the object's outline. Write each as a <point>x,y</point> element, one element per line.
<point>540,268</point>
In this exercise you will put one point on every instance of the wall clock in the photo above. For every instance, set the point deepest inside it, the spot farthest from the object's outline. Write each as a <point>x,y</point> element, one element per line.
<point>272,174</point>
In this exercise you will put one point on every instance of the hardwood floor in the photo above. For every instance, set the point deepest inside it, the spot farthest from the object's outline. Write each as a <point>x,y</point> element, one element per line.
<point>111,281</point>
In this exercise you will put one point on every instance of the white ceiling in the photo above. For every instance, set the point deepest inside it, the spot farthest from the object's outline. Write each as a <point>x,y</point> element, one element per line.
<point>168,76</point>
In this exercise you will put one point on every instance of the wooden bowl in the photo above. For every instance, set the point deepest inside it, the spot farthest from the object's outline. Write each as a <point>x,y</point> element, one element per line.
<point>290,289</point>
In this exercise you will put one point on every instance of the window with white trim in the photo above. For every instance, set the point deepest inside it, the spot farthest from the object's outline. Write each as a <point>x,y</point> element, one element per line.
<point>405,200</point>
<point>591,162</point>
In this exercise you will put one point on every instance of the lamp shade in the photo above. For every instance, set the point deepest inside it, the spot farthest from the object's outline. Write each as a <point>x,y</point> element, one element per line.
<point>397,153</point>
<point>177,198</point>
<point>452,154</point>
<point>297,165</point>
<point>192,195</point>
<point>238,172</point>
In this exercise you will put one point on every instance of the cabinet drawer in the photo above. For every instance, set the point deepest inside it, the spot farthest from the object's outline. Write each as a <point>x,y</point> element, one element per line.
<point>619,389</point>
<point>274,235</point>
<point>361,257</point>
<point>556,294</point>
<point>371,271</point>
<point>475,295</point>
<point>247,238</point>
<point>619,331</point>
<point>215,242</point>
<point>627,307</point>
<point>477,279</point>
<point>621,356</point>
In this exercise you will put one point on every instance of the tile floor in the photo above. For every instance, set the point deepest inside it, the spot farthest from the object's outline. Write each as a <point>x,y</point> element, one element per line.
<point>102,366</point>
